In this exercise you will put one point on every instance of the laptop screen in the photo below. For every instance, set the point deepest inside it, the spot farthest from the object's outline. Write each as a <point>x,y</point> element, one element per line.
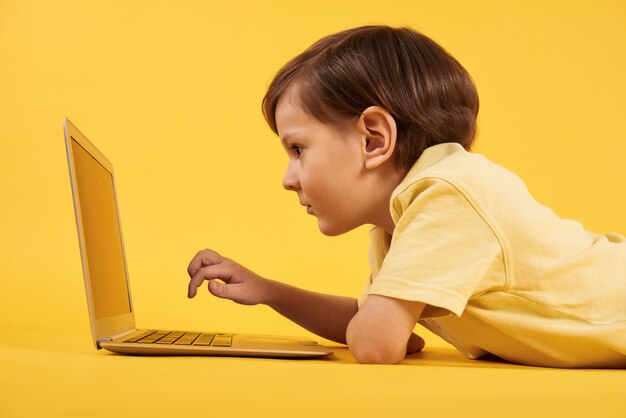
<point>103,241</point>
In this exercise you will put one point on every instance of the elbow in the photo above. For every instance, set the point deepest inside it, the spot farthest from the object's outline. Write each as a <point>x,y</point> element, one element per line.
<point>367,349</point>
<point>376,355</point>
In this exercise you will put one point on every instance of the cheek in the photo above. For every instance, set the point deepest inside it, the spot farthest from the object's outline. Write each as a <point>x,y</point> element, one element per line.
<point>308,182</point>
<point>317,186</point>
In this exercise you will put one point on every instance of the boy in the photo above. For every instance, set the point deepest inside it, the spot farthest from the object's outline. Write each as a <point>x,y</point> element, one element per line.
<point>378,123</point>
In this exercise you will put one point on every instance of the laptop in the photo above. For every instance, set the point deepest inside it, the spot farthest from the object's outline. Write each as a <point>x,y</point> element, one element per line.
<point>106,276</point>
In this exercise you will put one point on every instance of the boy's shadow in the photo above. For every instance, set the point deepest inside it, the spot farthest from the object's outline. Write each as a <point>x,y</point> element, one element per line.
<point>434,356</point>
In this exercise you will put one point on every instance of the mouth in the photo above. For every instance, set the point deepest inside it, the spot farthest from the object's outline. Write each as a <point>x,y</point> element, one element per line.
<point>309,209</point>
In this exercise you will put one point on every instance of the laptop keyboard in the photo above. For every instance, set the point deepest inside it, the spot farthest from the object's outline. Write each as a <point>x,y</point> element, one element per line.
<point>182,338</point>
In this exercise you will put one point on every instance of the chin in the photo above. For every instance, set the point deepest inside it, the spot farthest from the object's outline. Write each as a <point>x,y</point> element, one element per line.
<point>333,230</point>
<point>331,233</point>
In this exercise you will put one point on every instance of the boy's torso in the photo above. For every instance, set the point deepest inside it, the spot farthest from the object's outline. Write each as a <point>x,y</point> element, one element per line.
<point>542,284</point>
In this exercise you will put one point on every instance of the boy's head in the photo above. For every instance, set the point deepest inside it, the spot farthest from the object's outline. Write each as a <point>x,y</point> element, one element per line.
<point>428,93</point>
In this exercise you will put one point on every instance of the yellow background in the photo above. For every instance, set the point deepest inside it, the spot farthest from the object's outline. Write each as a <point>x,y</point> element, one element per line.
<point>171,92</point>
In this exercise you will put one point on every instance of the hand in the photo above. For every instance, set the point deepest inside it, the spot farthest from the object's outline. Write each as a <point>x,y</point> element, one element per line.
<point>239,284</point>
<point>415,344</point>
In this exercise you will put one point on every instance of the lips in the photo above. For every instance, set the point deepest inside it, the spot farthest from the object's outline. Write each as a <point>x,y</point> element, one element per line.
<point>309,209</point>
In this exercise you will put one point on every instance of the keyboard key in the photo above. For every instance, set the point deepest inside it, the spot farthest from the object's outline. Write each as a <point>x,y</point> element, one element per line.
<point>187,338</point>
<point>147,340</point>
<point>166,340</point>
<point>204,339</point>
<point>139,337</point>
<point>223,341</point>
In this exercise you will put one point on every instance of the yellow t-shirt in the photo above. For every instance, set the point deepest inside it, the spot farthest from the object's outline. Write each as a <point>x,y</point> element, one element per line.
<point>499,272</point>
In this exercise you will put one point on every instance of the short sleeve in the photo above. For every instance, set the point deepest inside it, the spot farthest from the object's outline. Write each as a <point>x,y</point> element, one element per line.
<point>442,251</point>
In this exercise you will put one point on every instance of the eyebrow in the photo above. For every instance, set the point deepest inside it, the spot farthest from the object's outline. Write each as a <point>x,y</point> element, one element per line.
<point>289,135</point>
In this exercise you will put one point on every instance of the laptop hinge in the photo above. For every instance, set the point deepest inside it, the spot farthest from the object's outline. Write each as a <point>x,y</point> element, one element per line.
<point>102,340</point>
<point>116,336</point>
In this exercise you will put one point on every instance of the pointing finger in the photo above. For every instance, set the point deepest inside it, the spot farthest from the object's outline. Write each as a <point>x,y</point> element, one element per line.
<point>204,258</point>
<point>211,272</point>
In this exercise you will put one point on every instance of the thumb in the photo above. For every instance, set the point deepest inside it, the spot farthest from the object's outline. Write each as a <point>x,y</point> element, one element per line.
<point>219,289</point>
<point>237,292</point>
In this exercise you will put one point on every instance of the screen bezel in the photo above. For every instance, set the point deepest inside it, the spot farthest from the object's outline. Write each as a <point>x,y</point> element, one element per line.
<point>107,327</point>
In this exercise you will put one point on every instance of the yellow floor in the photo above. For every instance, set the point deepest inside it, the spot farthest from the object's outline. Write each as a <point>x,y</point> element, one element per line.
<point>64,376</point>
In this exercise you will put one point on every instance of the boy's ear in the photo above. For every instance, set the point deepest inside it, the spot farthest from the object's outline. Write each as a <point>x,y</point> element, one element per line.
<point>378,130</point>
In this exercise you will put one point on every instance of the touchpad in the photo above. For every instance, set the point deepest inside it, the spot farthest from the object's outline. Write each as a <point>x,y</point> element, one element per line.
<point>269,340</point>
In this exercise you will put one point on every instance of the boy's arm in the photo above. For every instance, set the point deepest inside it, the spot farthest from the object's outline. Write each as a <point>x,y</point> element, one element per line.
<point>382,330</point>
<point>328,316</point>
<point>325,315</point>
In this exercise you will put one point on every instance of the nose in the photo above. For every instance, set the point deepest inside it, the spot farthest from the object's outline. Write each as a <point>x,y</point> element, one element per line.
<point>290,179</point>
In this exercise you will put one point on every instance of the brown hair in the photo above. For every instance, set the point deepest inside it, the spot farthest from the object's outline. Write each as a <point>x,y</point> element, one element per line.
<point>429,94</point>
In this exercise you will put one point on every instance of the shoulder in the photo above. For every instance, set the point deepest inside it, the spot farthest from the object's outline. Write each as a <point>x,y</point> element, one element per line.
<point>449,169</point>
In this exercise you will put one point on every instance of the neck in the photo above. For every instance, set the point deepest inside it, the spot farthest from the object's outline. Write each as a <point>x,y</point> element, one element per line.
<point>388,226</point>
<point>386,184</point>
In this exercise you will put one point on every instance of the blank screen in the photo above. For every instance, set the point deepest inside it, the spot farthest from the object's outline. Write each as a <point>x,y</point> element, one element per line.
<point>103,241</point>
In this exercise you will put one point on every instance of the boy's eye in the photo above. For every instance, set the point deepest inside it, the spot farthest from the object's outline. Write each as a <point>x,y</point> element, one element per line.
<point>297,149</point>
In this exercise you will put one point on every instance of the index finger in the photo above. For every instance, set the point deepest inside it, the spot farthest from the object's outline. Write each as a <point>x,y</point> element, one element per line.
<point>214,271</point>
<point>204,258</point>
